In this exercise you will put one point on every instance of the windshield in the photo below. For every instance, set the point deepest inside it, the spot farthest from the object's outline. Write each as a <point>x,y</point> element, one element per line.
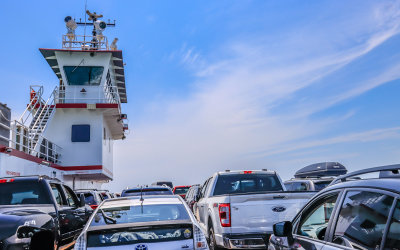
<point>156,191</point>
<point>138,213</point>
<point>143,235</point>
<point>246,183</point>
<point>181,190</point>
<point>83,75</point>
<point>23,192</point>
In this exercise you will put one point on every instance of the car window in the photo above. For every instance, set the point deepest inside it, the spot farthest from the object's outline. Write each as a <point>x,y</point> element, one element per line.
<point>181,190</point>
<point>288,186</point>
<point>319,185</point>
<point>89,199</point>
<point>55,188</point>
<point>315,219</point>
<point>23,192</point>
<point>146,213</point>
<point>299,186</point>
<point>393,237</point>
<point>362,219</point>
<point>203,188</point>
<point>70,197</point>
<point>246,183</point>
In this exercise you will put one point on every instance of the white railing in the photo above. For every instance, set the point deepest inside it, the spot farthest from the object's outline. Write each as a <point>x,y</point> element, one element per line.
<point>22,140</point>
<point>36,101</point>
<point>45,112</point>
<point>107,94</point>
<point>85,42</point>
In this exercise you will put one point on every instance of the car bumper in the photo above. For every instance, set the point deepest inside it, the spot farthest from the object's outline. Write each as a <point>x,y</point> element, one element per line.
<point>243,241</point>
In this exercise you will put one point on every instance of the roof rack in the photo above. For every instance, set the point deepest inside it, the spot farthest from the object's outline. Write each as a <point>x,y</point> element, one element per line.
<point>389,171</point>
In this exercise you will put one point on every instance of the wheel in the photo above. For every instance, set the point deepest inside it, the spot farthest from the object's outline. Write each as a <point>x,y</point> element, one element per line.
<point>211,240</point>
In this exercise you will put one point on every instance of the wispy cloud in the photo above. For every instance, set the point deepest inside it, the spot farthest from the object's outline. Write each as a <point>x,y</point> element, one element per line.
<point>230,119</point>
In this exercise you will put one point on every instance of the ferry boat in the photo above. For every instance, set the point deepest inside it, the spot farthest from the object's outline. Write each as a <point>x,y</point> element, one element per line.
<point>70,134</point>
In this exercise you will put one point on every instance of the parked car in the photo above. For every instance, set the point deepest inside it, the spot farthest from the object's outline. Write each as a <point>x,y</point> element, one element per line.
<point>150,222</point>
<point>152,190</point>
<point>308,184</point>
<point>92,197</point>
<point>238,208</point>
<point>192,196</point>
<point>351,213</point>
<point>163,183</point>
<point>181,190</point>
<point>105,194</point>
<point>38,212</point>
<point>315,177</point>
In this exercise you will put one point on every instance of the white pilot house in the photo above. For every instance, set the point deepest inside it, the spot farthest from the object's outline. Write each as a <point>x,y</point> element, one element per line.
<point>70,135</point>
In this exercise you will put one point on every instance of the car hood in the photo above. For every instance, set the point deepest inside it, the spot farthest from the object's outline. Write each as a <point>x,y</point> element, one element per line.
<point>12,217</point>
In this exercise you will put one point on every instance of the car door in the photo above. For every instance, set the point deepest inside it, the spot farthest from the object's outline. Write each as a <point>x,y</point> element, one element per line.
<point>79,214</point>
<point>362,220</point>
<point>64,213</point>
<point>311,225</point>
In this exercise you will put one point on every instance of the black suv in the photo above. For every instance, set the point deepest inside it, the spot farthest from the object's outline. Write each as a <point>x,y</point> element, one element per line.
<point>38,212</point>
<point>351,213</point>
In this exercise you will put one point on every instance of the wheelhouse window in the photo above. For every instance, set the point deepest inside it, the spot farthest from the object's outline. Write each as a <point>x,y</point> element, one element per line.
<point>84,75</point>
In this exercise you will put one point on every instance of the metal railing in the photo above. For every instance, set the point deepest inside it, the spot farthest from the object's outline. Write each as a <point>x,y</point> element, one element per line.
<point>22,140</point>
<point>98,42</point>
<point>107,94</point>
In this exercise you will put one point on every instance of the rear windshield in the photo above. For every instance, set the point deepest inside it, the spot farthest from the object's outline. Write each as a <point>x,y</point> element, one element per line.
<point>23,192</point>
<point>246,183</point>
<point>181,190</point>
<point>145,213</point>
<point>296,186</point>
<point>89,199</point>
<point>137,192</point>
<point>321,185</point>
<point>144,235</point>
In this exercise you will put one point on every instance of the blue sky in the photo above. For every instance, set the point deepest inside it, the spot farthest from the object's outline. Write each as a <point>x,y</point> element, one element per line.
<point>216,85</point>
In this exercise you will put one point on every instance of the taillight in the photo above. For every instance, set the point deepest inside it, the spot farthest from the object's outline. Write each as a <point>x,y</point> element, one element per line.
<point>200,241</point>
<point>6,180</point>
<point>225,214</point>
<point>94,206</point>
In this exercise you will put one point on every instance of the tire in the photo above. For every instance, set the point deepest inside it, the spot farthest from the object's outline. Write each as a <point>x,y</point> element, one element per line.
<point>211,240</point>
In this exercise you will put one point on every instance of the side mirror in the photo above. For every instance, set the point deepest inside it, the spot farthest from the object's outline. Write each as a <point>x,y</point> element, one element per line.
<point>283,229</point>
<point>82,202</point>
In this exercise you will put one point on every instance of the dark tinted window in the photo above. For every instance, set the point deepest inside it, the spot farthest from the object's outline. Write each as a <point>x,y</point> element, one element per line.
<point>89,199</point>
<point>26,192</point>
<point>393,237</point>
<point>362,219</point>
<point>246,183</point>
<point>80,133</point>
<point>319,185</point>
<point>137,192</point>
<point>83,75</point>
<point>181,190</point>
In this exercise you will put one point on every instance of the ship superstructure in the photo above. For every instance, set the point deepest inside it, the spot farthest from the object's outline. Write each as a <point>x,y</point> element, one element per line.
<point>70,135</point>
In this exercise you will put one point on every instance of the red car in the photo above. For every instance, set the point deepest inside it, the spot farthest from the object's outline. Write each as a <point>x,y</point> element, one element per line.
<point>181,190</point>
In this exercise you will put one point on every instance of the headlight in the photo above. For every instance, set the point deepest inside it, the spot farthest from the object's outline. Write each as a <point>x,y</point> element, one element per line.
<point>27,231</point>
<point>80,243</point>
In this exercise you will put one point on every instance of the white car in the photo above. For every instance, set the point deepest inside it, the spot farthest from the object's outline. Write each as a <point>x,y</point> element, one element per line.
<point>142,223</point>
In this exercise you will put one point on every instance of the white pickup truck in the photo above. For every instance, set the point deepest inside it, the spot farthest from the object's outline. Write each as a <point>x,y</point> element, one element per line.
<point>237,209</point>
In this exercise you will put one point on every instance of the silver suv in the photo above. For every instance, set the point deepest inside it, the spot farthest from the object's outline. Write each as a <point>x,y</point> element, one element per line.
<point>351,213</point>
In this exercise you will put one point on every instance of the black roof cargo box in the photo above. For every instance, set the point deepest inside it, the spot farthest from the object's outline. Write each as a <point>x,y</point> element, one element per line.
<point>321,169</point>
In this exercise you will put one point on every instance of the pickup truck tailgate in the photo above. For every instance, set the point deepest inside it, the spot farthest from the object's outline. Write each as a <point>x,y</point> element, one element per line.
<point>252,213</point>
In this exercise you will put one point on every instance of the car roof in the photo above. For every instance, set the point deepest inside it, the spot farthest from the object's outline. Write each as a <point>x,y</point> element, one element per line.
<point>390,184</point>
<point>182,186</point>
<point>145,200</point>
<point>31,178</point>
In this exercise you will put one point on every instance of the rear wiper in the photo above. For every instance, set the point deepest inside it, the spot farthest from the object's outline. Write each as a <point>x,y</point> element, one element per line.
<point>106,217</point>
